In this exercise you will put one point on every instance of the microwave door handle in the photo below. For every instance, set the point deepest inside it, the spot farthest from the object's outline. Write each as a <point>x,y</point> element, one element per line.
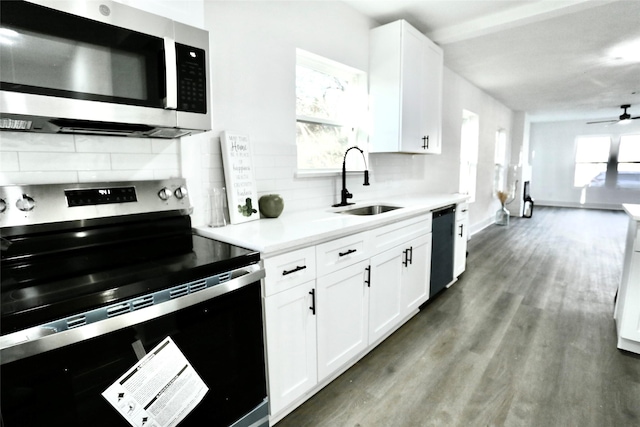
<point>171,101</point>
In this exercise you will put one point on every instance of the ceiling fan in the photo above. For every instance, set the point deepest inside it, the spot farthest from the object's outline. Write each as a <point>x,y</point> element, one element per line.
<point>624,116</point>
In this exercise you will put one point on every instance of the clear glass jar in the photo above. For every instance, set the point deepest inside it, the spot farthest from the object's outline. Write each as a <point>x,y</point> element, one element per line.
<point>502,216</point>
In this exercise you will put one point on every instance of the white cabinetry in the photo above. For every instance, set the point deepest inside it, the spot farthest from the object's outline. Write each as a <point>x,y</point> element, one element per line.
<point>462,236</point>
<point>627,311</point>
<point>399,280</point>
<point>342,301</point>
<point>385,301</point>
<point>290,326</point>
<point>415,280</point>
<point>405,84</point>
<point>342,317</point>
<point>327,305</point>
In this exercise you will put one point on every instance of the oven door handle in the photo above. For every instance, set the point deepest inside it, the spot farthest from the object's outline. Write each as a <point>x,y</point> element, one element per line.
<point>39,339</point>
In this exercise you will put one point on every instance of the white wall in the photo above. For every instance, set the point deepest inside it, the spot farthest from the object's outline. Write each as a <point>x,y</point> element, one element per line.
<point>442,170</point>
<point>253,91</point>
<point>552,160</point>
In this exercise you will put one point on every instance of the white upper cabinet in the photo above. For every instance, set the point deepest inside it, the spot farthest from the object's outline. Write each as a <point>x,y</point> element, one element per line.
<point>405,85</point>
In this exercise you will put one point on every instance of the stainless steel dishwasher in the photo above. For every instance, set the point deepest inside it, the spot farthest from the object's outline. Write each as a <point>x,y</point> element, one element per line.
<point>442,249</point>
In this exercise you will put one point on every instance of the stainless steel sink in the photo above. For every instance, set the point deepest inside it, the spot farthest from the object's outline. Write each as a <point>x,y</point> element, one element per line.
<point>370,210</point>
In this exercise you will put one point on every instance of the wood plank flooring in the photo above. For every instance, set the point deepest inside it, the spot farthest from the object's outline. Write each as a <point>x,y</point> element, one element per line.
<point>526,337</point>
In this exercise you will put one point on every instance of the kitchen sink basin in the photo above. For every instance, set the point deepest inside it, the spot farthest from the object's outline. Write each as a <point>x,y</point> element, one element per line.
<point>369,210</point>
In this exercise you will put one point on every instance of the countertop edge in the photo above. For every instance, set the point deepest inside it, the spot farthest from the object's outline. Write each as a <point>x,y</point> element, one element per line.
<point>297,230</point>
<point>633,210</point>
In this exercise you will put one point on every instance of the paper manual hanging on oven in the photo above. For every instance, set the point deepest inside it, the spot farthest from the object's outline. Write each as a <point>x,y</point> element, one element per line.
<point>158,391</point>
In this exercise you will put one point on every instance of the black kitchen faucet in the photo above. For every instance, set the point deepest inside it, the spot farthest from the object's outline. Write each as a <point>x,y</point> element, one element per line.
<point>344,193</point>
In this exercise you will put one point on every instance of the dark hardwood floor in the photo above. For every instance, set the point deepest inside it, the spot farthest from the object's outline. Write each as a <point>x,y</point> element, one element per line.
<point>526,337</point>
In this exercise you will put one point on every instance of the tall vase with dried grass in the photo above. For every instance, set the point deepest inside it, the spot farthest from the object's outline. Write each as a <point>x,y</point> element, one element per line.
<point>502,215</point>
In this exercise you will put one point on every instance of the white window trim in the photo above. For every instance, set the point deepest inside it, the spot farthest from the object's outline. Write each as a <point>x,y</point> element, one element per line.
<point>359,78</point>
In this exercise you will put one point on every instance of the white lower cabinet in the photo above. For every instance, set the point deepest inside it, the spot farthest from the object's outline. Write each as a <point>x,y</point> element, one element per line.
<point>416,276</point>
<point>342,317</point>
<point>385,299</point>
<point>399,284</point>
<point>461,238</point>
<point>291,344</point>
<point>327,305</point>
<point>627,309</point>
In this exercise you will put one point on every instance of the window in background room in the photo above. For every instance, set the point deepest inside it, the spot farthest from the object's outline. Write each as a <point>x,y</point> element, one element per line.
<point>629,162</point>
<point>469,136</point>
<point>500,179</point>
<point>331,106</point>
<point>592,155</point>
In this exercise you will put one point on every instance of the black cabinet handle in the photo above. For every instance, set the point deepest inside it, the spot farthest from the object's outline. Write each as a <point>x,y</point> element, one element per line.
<point>410,251</point>
<point>425,142</point>
<point>461,225</point>
<point>350,251</point>
<point>298,268</point>
<point>405,262</point>
<point>312,292</point>
<point>368,281</point>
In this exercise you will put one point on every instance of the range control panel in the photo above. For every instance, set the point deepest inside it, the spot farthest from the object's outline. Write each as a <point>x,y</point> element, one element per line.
<point>47,203</point>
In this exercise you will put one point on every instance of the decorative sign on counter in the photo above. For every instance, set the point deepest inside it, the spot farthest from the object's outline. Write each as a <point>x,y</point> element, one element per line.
<point>158,391</point>
<point>238,173</point>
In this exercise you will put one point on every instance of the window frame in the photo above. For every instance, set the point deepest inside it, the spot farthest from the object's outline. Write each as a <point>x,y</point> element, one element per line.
<point>634,138</point>
<point>355,126</point>
<point>469,155</point>
<point>577,162</point>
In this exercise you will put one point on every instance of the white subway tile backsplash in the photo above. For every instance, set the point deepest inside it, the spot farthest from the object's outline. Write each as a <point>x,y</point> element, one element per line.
<point>120,175</point>
<point>53,177</point>
<point>165,146</point>
<point>9,162</point>
<point>109,144</point>
<point>144,161</point>
<point>166,173</point>
<point>23,141</point>
<point>30,161</point>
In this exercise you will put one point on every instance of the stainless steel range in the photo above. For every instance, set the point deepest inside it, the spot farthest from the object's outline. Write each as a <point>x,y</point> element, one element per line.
<point>97,280</point>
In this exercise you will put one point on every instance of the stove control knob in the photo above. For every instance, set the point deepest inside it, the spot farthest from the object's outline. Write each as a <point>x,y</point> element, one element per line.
<point>3,205</point>
<point>165,194</point>
<point>181,192</point>
<point>26,203</point>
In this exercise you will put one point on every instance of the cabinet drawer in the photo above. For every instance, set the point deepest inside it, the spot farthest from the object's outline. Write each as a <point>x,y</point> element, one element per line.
<point>462,211</point>
<point>288,270</point>
<point>343,252</point>
<point>393,235</point>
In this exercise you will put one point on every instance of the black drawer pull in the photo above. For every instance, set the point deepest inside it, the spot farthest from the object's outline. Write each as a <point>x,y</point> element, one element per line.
<point>405,261</point>
<point>298,268</point>
<point>461,225</point>
<point>410,252</point>
<point>350,251</point>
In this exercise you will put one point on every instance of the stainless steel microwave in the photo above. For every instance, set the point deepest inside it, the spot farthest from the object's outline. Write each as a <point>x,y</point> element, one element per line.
<point>101,67</point>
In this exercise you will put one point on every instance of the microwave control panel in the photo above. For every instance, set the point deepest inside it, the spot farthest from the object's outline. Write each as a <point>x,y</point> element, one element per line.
<point>192,88</point>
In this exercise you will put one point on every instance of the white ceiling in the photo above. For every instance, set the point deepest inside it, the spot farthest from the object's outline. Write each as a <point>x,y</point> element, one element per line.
<point>554,59</point>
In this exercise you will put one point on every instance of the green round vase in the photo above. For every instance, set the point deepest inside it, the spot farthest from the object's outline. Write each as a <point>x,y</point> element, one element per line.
<point>271,205</point>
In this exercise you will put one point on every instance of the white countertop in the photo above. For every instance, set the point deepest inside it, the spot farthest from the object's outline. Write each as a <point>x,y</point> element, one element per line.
<point>295,230</point>
<point>632,210</point>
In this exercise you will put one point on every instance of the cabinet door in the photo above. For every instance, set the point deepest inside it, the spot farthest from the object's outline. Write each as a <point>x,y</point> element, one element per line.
<point>405,86</point>
<point>415,280</point>
<point>385,303</point>
<point>460,247</point>
<point>291,345</point>
<point>432,97</point>
<point>342,316</point>
<point>413,91</point>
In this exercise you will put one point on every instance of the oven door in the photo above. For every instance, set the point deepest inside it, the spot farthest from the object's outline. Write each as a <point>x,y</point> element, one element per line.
<point>218,329</point>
